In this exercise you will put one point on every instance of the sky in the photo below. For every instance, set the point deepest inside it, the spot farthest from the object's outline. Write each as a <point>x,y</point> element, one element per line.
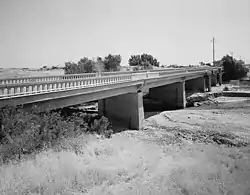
<point>50,32</point>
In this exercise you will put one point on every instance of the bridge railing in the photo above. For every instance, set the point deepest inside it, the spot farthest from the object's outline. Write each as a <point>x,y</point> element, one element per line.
<point>29,79</point>
<point>23,89</point>
<point>19,89</point>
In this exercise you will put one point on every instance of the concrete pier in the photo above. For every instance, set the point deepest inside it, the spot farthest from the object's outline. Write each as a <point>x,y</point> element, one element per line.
<point>171,96</point>
<point>214,80</point>
<point>220,78</point>
<point>208,83</point>
<point>126,109</point>
<point>196,85</point>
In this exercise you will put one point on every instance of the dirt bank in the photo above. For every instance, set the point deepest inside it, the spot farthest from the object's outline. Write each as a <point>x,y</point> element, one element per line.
<point>172,155</point>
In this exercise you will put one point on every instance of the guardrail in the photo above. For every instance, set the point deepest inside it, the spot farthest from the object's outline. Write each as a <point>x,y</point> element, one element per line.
<point>29,79</point>
<point>24,89</point>
<point>15,80</point>
<point>20,89</point>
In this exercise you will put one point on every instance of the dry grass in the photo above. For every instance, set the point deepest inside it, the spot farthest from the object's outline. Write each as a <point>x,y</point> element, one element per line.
<point>10,73</point>
<point>141,162</point>
<point>124,165</point>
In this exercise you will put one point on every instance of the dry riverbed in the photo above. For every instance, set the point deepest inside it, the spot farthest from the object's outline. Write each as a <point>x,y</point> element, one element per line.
<point>202,150</point>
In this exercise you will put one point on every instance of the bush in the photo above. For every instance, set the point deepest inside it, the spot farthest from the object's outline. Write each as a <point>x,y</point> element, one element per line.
<point>226,89</point>
<point>233,69</point>
<point>35,130</point>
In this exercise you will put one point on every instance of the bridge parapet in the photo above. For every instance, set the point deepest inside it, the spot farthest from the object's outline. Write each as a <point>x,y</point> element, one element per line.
<point>26,79</point>
<point>145,75</point>
<point>161,72</point>
<point>22,89</point>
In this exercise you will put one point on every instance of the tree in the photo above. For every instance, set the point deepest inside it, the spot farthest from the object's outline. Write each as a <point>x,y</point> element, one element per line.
<point>144,61</point>
<point>86,66</point>
<point>71,68</point>
<point>112,62</point>
<point>233,69</point>
<point>135,60</point>
<point>99,64</point>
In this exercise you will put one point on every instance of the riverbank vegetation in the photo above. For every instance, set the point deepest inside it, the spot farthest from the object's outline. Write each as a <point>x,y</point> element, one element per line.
<point>191,151</point>
<point>24,133</point>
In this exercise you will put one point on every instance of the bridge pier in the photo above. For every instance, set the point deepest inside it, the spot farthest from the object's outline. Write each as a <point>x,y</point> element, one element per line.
<point>214,80</point>
<point>196,85</point>
<point>172,96</point>
<point>126,109</point>
<point>208,82</point>
<point>220,78</point>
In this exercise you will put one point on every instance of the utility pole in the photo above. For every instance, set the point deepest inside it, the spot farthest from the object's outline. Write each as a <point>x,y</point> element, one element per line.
<point>213,53</point>
<point>232,54</point>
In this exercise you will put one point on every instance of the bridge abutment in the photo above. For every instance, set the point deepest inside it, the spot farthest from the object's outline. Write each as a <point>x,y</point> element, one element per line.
<point>172,96</point>
<point>126,109</point>
<point>196,85</point>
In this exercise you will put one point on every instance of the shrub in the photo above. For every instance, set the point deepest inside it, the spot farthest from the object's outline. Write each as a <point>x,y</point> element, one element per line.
<point>226,89</point>
<point>102,126</point>
<point>35,130</point>
<point>233,69</point>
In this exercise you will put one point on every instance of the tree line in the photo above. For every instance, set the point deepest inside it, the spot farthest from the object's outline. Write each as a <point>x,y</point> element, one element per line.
<point>110,63</point>
<point>233,68</point>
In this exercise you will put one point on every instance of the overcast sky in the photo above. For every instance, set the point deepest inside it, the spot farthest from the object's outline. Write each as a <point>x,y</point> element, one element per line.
<point>50,32</point>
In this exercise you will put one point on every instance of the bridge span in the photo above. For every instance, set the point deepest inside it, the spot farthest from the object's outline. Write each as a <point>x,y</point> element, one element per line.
<point>119,94</point>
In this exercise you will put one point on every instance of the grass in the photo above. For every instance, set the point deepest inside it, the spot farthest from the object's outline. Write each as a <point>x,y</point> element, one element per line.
<point>9,73</point>
<point>123,165</point>
<point>146,162</point>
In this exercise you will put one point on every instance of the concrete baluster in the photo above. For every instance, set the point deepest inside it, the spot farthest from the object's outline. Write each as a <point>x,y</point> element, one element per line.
<point>15,90</point>
<point>21,89</point>
<point>38,88</point>
<point>33,88</point>
<point>43,87</point>
<point>9,91</point>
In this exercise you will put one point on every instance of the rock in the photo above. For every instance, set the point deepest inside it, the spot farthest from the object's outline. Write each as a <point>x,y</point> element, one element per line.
<point>199,97</point>
<point>197,104</point>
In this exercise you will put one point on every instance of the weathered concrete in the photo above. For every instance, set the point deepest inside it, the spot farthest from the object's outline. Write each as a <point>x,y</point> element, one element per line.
<point>171,96</point>
<point>196,85</point>
<point>214,80</point>
<point>219,78</point>
<point>127,108</point>
<point>208,82</point>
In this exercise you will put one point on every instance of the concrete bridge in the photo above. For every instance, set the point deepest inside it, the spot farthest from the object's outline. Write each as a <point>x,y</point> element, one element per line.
<point>119,94</point>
